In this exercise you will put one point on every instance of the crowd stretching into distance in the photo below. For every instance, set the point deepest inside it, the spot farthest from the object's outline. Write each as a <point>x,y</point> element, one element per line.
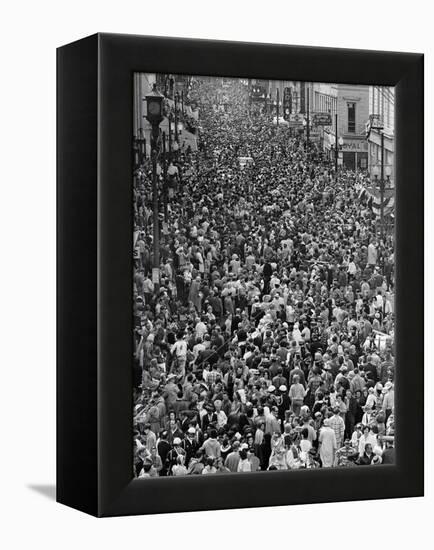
<point>269,342</point>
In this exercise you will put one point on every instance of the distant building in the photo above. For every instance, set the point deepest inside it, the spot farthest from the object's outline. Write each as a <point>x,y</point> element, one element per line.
<point>353,113</point>
<point>323,99</point>
<point>351,104</point>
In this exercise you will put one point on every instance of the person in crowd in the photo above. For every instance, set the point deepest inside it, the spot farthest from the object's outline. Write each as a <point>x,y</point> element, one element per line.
<point>346,455</point>
<point>367,438</point>
<point>209,466</point>
<point>337,424</point>
<point>367,457</point>
<point>327,444</point>
<point>179,468</point>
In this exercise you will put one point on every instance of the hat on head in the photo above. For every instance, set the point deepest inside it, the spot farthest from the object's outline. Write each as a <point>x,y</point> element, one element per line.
<point>271,388</point>
<point>283,388</point>
<point>191,431</point>
<point>177,441</point>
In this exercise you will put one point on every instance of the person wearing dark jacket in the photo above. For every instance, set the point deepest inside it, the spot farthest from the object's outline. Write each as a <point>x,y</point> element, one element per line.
<point>351,414</point>
<point>283,402</point>
<point>163,449</point>
<point>209,418</point>
<point>190,445</point>
<point>366,458</point>
<point>371,372</point>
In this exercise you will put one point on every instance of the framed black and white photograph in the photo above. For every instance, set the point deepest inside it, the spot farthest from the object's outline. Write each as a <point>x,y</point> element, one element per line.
<point>264,275</point>
<point>238,229</point>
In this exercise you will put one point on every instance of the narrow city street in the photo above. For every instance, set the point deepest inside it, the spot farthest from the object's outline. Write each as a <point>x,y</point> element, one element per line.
<point>263,283</point>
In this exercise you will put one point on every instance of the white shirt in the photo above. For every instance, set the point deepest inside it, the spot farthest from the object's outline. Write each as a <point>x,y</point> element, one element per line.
<point>180,348</point>
<point>221,419</point>
<point>244,465</point>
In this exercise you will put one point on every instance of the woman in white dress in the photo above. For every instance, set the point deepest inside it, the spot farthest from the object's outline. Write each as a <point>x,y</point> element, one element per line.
<point>327,444</point>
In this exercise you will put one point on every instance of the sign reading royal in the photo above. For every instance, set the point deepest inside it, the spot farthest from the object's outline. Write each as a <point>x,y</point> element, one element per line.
<point>322,119</point>
<point>355,145</point>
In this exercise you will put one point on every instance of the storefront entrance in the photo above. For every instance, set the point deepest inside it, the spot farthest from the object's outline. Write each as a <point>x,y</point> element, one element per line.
<point>349,160</point>
<point>355,161</point>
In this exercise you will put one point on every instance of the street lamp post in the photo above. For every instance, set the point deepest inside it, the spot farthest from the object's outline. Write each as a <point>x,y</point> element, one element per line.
<point>336,144</point>
<point>154,103</point>
<point>164,177</point>
<point>382,184</point>
<point>277,102</point>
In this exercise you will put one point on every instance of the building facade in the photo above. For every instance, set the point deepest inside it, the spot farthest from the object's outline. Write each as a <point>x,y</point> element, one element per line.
<point>353,113</point>
<point>382,104</point>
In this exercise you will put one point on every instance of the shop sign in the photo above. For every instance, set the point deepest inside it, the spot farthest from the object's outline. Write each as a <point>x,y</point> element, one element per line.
<point>296,119</point>
<point>355,145</point>
<point>322,119</point>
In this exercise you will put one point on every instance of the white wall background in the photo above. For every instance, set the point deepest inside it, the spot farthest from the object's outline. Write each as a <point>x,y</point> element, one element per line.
<point>30,33</point>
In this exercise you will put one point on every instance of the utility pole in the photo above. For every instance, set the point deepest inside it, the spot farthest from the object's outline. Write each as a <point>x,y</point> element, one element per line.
<point>176,116</point>
<point>382,185</point>
<point>164,177</point>
<point>336,144</point>
<point>277,106</point>
<point>308,120</point>
<point>380,129</point>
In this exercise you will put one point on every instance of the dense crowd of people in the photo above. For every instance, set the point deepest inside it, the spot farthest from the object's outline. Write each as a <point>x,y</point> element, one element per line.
<point>268,341</point>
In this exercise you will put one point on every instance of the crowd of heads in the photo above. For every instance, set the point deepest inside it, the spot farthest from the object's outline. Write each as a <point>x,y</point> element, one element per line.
<point>268,341</point>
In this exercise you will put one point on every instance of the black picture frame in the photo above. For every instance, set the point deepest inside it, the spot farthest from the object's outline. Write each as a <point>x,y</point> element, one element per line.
<point>94,274</point>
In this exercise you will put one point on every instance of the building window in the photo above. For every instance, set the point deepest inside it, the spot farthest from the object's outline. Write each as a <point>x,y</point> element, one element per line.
<point>351,118</point>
